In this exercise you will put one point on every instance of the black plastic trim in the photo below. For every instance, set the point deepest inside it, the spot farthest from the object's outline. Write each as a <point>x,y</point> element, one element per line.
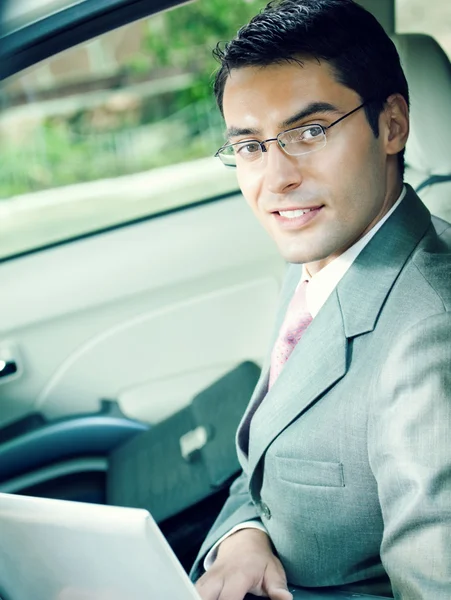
<point>433,180</point>
<point>74,25</point>
<point>9,368</point>
<point>120,225</point>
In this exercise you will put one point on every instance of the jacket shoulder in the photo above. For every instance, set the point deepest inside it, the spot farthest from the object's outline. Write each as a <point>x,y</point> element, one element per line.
<point>432,258</point>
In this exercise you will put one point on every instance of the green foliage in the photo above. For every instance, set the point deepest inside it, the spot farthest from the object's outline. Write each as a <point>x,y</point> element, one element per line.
<point>94,143</point>
<point>67,151</point>
<point>185,38</point>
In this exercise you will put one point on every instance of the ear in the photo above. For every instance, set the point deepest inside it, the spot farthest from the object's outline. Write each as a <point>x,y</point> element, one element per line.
<point>395,121</point>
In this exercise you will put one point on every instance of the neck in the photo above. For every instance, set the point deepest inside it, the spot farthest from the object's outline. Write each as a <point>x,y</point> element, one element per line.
<point>391,197</point>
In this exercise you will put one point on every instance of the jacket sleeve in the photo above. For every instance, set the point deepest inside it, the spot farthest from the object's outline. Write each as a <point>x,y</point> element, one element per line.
<point>410,454</point>
<point>237,509</point>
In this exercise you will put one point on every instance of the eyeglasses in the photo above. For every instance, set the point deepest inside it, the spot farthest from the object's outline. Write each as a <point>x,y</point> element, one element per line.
<point>294,142</point>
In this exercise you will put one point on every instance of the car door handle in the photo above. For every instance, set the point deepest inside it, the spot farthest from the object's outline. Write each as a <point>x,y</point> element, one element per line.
<point>7,367</point>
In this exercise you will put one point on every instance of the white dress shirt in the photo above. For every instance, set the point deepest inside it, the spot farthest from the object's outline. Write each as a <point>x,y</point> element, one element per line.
<point>321,285</point>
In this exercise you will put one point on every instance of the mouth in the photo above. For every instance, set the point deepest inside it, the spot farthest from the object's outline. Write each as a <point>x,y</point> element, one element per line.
<point>296,217</point>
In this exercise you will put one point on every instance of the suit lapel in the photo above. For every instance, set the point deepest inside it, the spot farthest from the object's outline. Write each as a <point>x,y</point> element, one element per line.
<point>316,364</point>
<point>320,358</point>
<point>242,438</point>
<point>364,288</point>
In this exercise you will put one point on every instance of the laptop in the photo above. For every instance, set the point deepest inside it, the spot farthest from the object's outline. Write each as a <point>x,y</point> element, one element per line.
<point>59,550</point>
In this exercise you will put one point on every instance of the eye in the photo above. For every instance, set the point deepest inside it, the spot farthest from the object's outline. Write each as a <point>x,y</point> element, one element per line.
<point>311,133</point>
<point>247,149</point>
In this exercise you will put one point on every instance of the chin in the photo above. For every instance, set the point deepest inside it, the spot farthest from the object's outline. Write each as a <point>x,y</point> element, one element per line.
<point>301,256</point>
<point>294,256</point>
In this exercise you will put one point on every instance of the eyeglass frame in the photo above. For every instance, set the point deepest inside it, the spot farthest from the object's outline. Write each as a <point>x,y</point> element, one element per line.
<point>263,143</point>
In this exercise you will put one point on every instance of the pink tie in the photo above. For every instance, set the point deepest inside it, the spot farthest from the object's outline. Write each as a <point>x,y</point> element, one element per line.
<point>296,321</point>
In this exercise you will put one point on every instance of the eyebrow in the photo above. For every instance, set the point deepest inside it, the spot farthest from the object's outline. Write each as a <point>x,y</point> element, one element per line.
<point>313,108</point>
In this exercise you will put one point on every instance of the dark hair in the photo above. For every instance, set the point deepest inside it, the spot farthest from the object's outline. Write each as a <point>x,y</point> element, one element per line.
<point>349,38</point>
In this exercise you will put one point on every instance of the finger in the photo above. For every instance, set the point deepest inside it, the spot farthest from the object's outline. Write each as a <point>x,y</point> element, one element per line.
<point>235,587</point>
<point>280,594</point>
<point>208,587</point>
<point>213,586</point>
<point>275,582</point>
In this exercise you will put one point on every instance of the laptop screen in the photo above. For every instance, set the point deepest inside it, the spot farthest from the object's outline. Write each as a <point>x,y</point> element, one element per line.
<point>57,550</point>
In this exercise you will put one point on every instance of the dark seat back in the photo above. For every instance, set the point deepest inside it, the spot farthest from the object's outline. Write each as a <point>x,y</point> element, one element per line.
<point>187,457</point>
<point>181,469</point>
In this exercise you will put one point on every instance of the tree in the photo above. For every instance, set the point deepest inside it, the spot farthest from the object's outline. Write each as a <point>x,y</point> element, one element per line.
<point>185,37</point>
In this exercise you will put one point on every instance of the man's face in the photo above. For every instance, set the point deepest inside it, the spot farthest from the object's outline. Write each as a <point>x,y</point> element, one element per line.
<point>344,184</point>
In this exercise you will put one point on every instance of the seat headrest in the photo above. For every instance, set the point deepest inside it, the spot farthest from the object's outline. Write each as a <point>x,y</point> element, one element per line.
<point>428,72</point>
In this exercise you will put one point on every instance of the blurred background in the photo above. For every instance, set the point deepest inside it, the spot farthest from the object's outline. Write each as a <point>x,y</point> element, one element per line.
<point>135,100</point>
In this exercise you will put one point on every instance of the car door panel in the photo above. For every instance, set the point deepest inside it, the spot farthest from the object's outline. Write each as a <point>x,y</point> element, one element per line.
<point>147,314</point>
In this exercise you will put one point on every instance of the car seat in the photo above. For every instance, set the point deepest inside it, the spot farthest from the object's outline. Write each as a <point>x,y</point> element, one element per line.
<point>428,151</point>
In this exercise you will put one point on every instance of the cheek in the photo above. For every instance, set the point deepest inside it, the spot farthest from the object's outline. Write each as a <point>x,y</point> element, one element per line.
<point>349,167</point>
<point>345,164</point>
<point>250,185</point>
<point>350,149</point>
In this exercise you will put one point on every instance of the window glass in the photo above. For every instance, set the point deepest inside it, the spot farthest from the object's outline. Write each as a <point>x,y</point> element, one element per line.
<point>118,128</point>
<point>19,13</point>
<point>432,17</point>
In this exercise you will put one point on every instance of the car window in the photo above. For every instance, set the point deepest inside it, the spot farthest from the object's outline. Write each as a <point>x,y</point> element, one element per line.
<point>125,126</point>
<point>432,17</point>
<point>116,129</point>
<point>20,13</point>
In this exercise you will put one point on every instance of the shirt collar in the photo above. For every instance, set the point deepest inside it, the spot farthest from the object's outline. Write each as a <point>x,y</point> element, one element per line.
<point>322,284</point>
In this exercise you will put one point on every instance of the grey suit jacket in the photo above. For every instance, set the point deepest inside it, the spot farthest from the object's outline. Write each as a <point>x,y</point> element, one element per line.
<point>347,461</point>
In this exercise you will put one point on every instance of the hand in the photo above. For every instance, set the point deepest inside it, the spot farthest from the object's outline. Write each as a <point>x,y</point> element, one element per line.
<point>245,564</point>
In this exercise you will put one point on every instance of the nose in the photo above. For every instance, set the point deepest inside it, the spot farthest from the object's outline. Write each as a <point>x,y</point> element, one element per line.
<point>282,171</point>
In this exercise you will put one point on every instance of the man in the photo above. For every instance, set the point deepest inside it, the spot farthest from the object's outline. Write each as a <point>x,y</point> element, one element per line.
<point>346,444</point>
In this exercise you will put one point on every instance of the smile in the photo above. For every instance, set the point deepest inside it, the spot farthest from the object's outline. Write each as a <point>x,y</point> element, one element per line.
<point>296,218</point>
<point>292,214</point>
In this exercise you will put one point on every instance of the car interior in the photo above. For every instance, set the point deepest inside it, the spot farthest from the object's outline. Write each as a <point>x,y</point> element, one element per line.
<point>136,311</point>
<point>428,162</point>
